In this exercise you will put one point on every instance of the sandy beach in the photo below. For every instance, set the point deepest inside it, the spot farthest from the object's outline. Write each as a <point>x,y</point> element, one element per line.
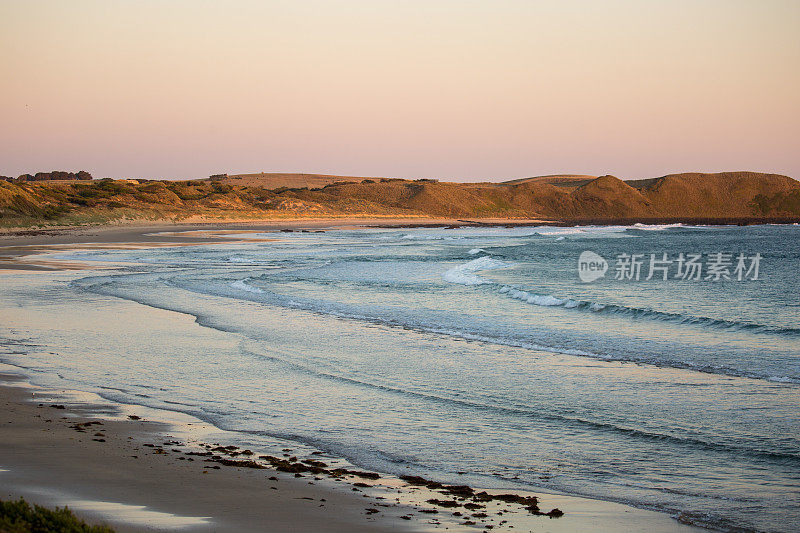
<point>136,475</point>
<point>368,266</point>
<point>62,448</point>
<point>108,474</point>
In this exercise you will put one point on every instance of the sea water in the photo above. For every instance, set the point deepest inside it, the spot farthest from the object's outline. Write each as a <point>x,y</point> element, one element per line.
<point>467,355</point>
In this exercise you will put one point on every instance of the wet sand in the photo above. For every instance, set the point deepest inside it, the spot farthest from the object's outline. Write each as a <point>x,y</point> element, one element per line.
<point>145,475</point>
<point>115,479</point>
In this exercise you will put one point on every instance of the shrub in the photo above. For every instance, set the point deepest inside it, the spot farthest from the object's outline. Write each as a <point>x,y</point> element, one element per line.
<point>221,188</point>
<point>19,517</point>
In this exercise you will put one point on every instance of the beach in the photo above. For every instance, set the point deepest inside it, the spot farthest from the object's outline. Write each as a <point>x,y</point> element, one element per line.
<point>400,266</point>
<point>116,480</point>
<point>121,473</point>
<point>148,474</point>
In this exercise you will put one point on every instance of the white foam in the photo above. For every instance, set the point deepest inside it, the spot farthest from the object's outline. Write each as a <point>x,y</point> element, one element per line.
<point>582,231</point>
<point>466,233</point>
<point>428,237</point>
<point>535,299</point>
<point>465,274</point>
<point>783,379</point>
<point>560,231</point>
<point>476,251</point>
<point>656,227</point>
<point>243,286</point>
<point>547,300</point>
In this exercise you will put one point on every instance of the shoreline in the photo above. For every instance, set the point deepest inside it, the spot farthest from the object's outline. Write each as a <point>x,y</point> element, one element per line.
<point>17,243</point>
<point>107,466</point>
<point>112,469</point>
<point>389,221</point>
<point>581,514</point>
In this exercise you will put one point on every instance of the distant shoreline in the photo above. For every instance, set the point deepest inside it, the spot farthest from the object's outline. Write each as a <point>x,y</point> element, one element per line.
<point>140,227</point>
<point>17,243</point>
<point>699,221</point>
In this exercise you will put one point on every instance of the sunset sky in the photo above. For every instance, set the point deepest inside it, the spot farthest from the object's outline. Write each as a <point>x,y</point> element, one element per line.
<point>451,89</point>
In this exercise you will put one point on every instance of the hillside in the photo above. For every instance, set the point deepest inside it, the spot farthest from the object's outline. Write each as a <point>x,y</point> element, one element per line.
<point>748,196</point>
<point>272,180</point>
<point>559,180</point>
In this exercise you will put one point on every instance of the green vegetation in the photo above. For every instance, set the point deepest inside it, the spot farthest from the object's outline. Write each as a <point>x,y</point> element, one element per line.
<point>780,203</point>
<point>19,517</point>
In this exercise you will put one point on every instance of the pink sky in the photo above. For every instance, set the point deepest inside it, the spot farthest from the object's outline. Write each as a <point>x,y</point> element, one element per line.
<point>452,89</point>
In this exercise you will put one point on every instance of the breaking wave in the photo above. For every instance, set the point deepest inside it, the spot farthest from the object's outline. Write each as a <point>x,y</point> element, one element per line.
<point>635,312</point>
<point>243,286</point>
<point>465,274</point>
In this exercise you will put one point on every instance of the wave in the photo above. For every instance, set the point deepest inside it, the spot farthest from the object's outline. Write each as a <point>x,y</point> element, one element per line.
<point>464,233</point>
<point>240,289</point>
<point>377,317</point>
<point>536,299</point>
<point>656,227</point>
<point>636,312</point>
<point>243,286</point>
<point>686,441</point>
<point>429,237</point>
<point>654,361</point>
<point>465,274</point>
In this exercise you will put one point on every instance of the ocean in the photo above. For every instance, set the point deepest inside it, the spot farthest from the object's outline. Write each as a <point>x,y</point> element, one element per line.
<point>471,354</point>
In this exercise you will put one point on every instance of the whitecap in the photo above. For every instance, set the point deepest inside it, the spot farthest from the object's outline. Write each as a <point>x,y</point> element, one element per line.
<point>656,227</point>
<point>427,237</point>
<point>243,286</point>
<point>465,274</point>
<point>535,299</point>
<point>783,379</point>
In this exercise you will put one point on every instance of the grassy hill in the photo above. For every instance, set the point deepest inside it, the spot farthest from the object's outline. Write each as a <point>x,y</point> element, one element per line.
<point>274,180</point>
<point>568,198</point>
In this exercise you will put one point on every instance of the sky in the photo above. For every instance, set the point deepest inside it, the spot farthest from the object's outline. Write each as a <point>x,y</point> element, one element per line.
<point>459,90</point>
